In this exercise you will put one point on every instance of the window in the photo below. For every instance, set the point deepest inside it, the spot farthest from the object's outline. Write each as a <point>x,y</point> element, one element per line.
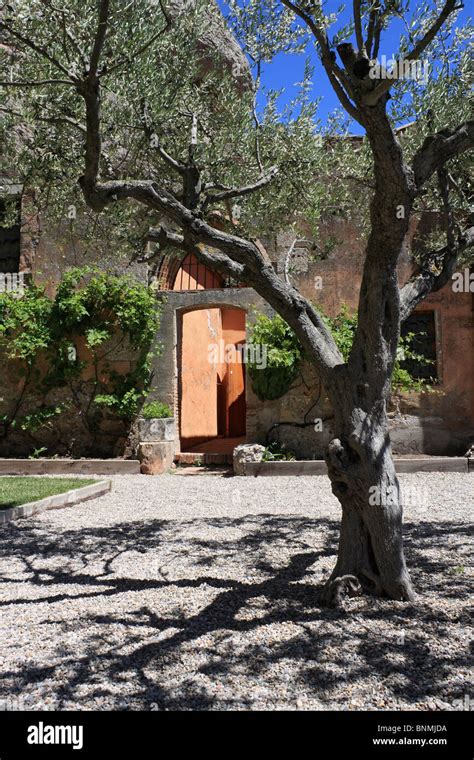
<point>193,275</point>
<point>423,327</point>
<point>9,236</point>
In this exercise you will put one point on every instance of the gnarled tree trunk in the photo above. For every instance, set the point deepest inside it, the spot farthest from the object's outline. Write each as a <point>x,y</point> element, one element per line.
<point>359,458</point>
<point>363,477</point>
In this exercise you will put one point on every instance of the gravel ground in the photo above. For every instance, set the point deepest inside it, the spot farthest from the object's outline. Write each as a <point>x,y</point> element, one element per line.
<point>199,592</point>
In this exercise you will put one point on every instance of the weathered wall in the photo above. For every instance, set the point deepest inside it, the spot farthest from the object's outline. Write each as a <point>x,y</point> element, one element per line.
<point>82,429</point>
<point>440,422</point>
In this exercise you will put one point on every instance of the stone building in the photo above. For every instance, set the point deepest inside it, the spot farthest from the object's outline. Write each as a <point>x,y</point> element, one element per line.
<point>197,314</point>
<point>214,405</point>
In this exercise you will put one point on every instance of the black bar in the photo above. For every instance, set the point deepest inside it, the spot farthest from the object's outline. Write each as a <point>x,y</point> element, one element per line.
<point>157,733</point>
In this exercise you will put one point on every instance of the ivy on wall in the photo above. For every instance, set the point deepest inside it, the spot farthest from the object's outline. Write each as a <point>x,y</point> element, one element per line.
<point>94,314</point>
<point>284,354</point>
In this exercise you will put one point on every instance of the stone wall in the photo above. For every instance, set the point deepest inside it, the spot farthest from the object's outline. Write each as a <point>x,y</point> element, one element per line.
<point>441,422</point>
<point>82,429</point>
<point>437,422</point>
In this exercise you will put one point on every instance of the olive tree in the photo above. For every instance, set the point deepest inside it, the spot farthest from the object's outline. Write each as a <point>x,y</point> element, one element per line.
<point>173,132</point>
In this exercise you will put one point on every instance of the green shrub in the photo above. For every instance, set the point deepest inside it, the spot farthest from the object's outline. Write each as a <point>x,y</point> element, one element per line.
<point>155,410</point>
<point>283,357</point>
<point>285,354</point>
<point>103,309</point>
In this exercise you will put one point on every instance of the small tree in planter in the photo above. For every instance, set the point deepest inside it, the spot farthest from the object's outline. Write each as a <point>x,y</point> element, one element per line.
<point>156,430</point>
<point>156,422</point>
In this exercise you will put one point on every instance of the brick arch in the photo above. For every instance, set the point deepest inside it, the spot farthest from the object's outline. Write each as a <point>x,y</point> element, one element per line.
<point>187,274</point>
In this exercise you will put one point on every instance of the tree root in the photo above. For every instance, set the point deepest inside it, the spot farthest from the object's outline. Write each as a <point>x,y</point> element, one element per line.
<point>336,590</point>
<point>376,580</point>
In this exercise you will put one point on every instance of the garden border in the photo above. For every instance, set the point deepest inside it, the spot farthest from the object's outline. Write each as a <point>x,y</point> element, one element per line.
<point>56,501</point>
<point>318,467</point>
<point>69,466</point>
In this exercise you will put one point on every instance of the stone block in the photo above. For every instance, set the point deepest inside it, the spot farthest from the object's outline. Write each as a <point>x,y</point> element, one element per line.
<point>246,453</point>
<point>157,429</point>
<point>155,457</point>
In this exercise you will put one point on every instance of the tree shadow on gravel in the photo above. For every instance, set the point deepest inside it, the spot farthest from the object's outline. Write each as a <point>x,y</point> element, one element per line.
<point>254,580</point>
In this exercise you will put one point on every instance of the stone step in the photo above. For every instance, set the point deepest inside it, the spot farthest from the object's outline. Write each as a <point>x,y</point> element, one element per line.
<point>203,458</point>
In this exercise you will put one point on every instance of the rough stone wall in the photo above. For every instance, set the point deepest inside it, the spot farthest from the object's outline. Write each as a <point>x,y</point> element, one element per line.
<point>440,422</point>
<point>83,429</point>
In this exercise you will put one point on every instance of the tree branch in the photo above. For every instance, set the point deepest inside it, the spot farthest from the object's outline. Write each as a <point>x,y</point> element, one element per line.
<point>449,221</point>
<point>138,52</point>
<point>215,260</point>
<point>177,166</point>
<point>334,75</point>
<point>238,192</point>
<point>66,32</point>
<point>99,38</point>
<point>48,119</point>
<point>439,148</point>
<point>358,26</point>
<point>371,98</point>
<point>374,13</point>
<point>433,273</point>
<point>37,49</point>
<point>39,83</point>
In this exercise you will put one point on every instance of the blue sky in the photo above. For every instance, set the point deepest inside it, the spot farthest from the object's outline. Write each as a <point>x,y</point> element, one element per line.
<point>286,70</point>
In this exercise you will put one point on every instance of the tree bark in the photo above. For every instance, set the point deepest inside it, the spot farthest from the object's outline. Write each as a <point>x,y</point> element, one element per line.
<point>359,458</point>
<point>363,478</point>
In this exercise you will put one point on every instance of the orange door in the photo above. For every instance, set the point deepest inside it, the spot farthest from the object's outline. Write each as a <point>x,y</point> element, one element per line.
<point>212,393</point>
<point>235,401</point>
<point>233,333</point>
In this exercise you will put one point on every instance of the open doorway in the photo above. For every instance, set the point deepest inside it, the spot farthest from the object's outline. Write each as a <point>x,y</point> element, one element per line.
<point>212,407</point>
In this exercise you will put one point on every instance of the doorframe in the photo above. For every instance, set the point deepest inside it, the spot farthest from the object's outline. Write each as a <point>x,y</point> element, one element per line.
<point>179,313</point>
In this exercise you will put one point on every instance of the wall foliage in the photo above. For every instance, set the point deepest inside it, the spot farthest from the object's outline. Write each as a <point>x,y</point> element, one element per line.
<point>285,355</point>
<point>65,347</point>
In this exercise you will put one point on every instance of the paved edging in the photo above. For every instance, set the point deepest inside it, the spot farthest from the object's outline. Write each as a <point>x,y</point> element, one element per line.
<point>69,466</point>
<point>318,467</point>
<point>57,501</point>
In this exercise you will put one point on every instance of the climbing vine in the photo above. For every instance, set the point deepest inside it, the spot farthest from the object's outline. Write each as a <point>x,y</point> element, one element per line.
<point>93,315</point>
<point>284,354</point>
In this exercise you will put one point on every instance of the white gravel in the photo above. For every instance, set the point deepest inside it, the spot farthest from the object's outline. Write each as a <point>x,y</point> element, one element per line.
<point>199,592</point>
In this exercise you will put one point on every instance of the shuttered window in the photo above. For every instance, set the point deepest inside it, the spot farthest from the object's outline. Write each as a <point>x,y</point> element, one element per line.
<point>9,239</point>
<point>423,327</point>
